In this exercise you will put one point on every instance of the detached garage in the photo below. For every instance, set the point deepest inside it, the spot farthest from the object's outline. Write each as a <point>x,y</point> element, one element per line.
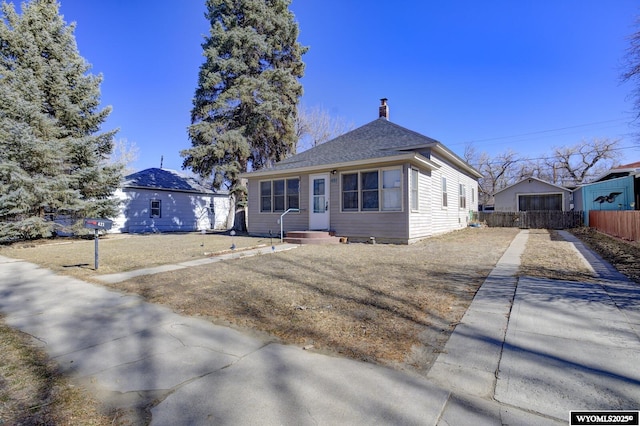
<point>533,194</point>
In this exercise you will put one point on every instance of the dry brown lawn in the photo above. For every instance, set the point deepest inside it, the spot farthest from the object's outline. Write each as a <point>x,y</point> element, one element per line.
<point>389,304</point>
<point>33,392</point>
<point>126,252</point>
<point>380,303</point>
<point>393,305</point>
<point>548,255</point>
<point>624,255</point>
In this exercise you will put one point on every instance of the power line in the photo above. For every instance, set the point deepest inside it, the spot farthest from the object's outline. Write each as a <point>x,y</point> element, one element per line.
<point>540,132</point>
<point>519,160</point>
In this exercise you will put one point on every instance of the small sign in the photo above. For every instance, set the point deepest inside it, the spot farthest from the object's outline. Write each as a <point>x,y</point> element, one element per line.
<point>98,224</point>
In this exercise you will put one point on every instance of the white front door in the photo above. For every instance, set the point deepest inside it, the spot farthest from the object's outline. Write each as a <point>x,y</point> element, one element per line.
<point>319,202</point>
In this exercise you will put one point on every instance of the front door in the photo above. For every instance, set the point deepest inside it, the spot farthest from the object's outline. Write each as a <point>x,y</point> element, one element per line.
<point>319,202</point>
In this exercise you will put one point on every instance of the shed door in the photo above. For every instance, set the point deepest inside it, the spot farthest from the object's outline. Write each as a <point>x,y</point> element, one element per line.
<point>319,202</point>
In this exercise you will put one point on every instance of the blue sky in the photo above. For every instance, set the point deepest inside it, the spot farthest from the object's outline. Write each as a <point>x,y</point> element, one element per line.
<point>523,75</point>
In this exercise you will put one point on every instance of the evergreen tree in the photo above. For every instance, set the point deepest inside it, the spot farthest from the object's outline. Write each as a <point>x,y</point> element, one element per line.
<point>52,154</point>
<point>245,105</point>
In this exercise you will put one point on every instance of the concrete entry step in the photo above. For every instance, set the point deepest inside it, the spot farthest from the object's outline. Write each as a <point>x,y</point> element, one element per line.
<point>311,237</point>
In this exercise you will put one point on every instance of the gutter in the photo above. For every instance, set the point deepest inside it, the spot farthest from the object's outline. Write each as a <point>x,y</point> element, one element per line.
<point>412,157</point>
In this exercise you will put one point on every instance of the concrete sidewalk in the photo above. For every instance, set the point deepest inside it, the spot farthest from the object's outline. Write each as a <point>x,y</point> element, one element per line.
<point>543,347</point>
<point>526,352</point>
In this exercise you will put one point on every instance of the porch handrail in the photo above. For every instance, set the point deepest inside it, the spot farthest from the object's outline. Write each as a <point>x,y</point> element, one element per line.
<point>281,220</point>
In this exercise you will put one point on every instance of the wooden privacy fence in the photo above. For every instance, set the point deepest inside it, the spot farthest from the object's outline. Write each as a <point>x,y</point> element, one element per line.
<point>623,224</point>
<point>533,219</point>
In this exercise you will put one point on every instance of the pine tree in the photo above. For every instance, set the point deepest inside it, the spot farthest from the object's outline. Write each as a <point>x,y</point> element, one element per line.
<point>52,154</point>
<point>245,105</point>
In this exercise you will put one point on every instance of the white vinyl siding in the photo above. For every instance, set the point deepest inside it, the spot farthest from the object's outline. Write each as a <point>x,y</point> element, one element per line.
<point>421,223</point>
<point>150,210</point>
<point>446,219</point>
<point>419,187</point>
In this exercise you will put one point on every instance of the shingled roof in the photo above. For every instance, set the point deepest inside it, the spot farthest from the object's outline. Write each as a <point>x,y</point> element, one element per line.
<point>375,141</point>
<point>164,179</point>
<point>620,171</point>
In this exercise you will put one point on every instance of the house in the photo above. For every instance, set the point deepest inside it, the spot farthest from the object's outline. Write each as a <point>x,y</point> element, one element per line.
<point>533,194</point>
<point>161,200</point>
<point>618,189</point>
<point>380,180</point>
<point>632,169</point>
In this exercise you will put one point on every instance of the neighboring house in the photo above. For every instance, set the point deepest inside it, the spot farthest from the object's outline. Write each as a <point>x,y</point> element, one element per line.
<point>533,194</point>
<point>632,169</point>
<point>618,189</point>
<point>380,180</point>
<point>161,200</point>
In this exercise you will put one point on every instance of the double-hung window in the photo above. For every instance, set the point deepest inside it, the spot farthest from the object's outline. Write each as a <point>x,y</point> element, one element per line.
<point>279,195</point>
<point>293,193</point>
<point>415,202</point>
<point>372,190</point>
<point>445,197</point>
<point>391,190</point>
<point>369,188</point>
<point>155,209</point>
<point>350,192</point>
<point>463,196</point>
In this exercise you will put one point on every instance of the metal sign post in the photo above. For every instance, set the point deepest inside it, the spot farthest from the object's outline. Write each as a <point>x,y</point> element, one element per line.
<point>97,225</point>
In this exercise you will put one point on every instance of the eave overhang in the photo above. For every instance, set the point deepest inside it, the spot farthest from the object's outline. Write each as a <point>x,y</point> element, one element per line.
<point>412,157</point>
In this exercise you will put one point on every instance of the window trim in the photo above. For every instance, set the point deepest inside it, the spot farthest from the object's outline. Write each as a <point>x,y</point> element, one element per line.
<point>462,196</point>
<point>414,192</point>
<point>355,191</point>
<point>445,194</point>
<point>380,190</point>
<point>375,191</point>
<point>285,198</point>
<point>394,189</point>
<point>159,209</point>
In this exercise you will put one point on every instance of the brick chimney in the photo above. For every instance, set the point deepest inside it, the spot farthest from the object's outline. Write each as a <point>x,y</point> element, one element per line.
<point>384,109</point>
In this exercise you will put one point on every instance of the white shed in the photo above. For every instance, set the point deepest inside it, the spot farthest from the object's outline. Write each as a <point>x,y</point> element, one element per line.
<point>161,200</point>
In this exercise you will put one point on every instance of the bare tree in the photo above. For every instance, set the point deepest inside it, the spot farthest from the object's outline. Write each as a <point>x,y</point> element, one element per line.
<point>578,163</point>
<point>497,172</point>
<point>632,67</point>
<point>124,153</point>
<point>316,126</point>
